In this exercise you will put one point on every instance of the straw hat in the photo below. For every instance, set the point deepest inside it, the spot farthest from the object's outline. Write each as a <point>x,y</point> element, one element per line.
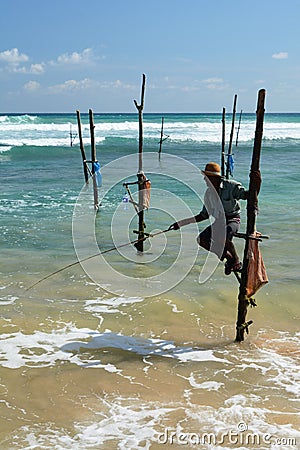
<point>212,169</point>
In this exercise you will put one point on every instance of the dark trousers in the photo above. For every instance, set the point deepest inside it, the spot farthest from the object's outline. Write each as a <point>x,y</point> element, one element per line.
<point>217,245</point>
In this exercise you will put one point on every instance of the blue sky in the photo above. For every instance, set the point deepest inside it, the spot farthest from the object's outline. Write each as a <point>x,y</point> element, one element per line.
<point>62,55</point>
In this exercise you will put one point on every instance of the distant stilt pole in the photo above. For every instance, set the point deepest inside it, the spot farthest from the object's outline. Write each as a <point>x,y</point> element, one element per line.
<point>223,144</point>
<point>231,138</point>
<point>85,171</point>
<point>140,243</point>
<point>71,136</point>
<point>252,206</point>
<point>238,130</point>
<point>161,138</point>
<point>93,158</point>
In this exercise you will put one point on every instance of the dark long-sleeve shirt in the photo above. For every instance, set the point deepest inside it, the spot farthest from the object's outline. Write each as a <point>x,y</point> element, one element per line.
<point>230,193</point>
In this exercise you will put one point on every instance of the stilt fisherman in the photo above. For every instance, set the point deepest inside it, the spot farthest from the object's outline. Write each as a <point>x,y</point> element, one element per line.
<point>229,192</point>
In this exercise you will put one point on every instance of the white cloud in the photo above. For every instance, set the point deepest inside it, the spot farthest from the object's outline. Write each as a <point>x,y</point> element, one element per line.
<point>13,59</point>
<point>212,80</point>
<point>85,56</point>
<point>71,86</point>
<point>280,55</point>
<point>214,83</point>
<point>117,84</point>
<point>36,69</point>
<point>16,62</point>
<point>13,56</point>
<point>31,86</point>
<point>190,88</point>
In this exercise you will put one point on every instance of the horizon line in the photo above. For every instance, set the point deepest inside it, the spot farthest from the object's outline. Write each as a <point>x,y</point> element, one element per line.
<point>145,112</point>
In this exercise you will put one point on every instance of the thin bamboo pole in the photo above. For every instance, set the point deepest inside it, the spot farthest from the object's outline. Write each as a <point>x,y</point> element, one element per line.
<point>85,171</point>
<point>252,206</point>
<point>93,158</point>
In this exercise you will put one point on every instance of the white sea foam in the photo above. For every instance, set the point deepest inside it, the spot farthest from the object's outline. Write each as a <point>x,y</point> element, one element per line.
<point>207,385</point>
<point>113,302</point>
<point>5,148</point>
<point>128,421</point>
<point>111,306</point>
<point>28,131</point>
<point>8,300</point>
<point>13,205</point>
<point>246,420</point>
<point>133,425</point>
<point>41,142</point>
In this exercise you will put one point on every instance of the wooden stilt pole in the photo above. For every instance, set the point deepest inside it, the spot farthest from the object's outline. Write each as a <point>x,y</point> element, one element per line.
<point>238,130</point>
<point>85,171</point>
<point>140,243</point>
<point>93,158</point>
<point>71,136</point>
<point>161,138</point>
<point>252,206</point>
<point>223,144</point>
<point>231,138</point>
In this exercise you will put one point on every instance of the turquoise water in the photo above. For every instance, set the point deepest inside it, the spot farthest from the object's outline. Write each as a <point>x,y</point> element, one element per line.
<point>91,359</point>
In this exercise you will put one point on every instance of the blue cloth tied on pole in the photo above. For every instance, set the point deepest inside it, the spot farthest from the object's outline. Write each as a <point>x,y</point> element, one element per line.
<point>230,163</point>
<point>97,173</point>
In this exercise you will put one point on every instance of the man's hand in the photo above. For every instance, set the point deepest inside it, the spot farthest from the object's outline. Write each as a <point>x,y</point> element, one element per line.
<point>174,226</point>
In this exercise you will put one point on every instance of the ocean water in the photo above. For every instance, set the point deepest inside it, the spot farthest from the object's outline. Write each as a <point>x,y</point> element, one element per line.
<point>129,351</point>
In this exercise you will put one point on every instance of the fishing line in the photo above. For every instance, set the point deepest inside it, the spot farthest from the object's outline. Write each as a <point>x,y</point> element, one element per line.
<point>148,235</point>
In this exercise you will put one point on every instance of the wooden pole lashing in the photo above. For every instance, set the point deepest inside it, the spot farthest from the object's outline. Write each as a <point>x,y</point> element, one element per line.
<point>141,223</point>
<point>252,206</point>
<point>93,158</point>
<point>85,171</point>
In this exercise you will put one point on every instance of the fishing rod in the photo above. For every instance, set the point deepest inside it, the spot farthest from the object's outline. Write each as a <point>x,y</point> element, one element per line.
<point>134,242</point>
